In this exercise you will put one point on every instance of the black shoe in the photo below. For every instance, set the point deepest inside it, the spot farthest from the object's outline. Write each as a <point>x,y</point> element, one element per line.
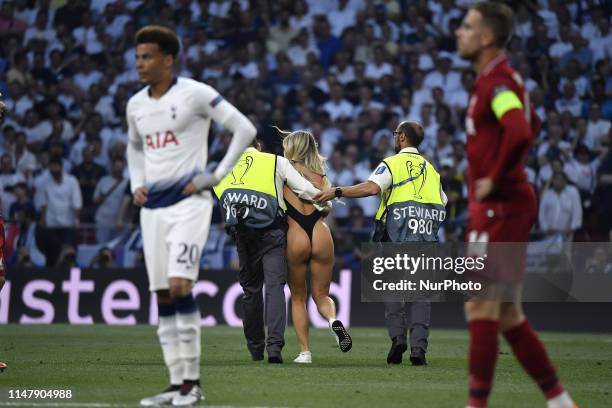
<point>275,359</point>
<point>417,356</point>
<point>257,356</point>
<point>343,338</point>
<point>398,347</point>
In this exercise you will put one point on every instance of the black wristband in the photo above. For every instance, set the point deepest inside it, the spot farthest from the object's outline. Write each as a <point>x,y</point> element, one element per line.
<point>338,192</point>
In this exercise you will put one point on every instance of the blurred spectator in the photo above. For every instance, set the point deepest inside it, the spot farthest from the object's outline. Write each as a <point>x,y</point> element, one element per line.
<point>338,107</point>
<point>443,77</point>
<point>554,147</point>
<point>61,203</point>
<point>36,130</point>
<point>9,24</point>
<point>343,17</point>
<point>600,41</point>
<point>569,100</point>
<point>108,197</point>
<point>67,257</point>
<point>21,248</point>
<point>301,49</point>
<point>453,188</point>
<point>581,169</point>
<point>562,46</point>
<point>339,175</point>
<point>600,261</point>
<point>546,171</point>
<point>69,15</point>
<point>579,52</point>
<point>9,178</point>
<point>40,30</point>
<point>572,73</point>
<point>605,189</point>
<point>104,259</point>
<point>25,160</point>
<point>379,67</point>
<point>23,203</point>
<point>88,73</point>
<point>88,173</point>
<point>281,34</point>
<point>597,128</point>
<point>327,43</point>
<point>560,210</point>
<point>359,222</point>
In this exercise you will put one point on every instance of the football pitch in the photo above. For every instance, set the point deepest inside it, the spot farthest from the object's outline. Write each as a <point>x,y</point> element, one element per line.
<point>111,366</point>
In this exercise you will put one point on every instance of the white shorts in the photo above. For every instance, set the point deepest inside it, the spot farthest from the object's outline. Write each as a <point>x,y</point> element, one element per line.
<point>173,238</point>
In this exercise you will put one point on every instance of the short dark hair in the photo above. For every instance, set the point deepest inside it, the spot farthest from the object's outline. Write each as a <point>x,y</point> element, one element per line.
<point>499,18</point>
<point>166,39</point>
<point>413,131</point>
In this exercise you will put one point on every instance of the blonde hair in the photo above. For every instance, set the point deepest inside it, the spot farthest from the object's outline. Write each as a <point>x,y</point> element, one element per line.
<point>301,147</point>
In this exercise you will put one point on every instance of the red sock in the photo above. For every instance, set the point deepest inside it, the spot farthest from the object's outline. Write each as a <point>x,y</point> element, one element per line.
<point>530,351</point>
<point>483,356</point>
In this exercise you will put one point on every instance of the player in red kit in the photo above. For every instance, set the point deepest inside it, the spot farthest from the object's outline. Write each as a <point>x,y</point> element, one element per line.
<point>501,126</point>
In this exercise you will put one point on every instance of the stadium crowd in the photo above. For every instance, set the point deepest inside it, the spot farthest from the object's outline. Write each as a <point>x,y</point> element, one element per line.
<point>346,70</point>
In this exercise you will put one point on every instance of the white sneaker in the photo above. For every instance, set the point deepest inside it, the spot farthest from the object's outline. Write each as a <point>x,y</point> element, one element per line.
<point>334,334</point>
<point>188,397</point>
<point>305,357</point>
<point>164,398</point>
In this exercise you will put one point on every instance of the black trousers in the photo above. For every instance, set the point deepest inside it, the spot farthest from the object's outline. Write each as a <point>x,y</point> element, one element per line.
<point>398,321</point>
<point>263,261</point>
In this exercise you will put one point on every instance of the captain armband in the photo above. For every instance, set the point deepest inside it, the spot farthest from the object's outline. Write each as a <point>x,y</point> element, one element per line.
<point>504,101</point>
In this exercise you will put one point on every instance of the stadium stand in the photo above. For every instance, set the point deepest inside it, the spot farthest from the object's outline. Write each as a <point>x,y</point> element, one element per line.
<point>347,70</point>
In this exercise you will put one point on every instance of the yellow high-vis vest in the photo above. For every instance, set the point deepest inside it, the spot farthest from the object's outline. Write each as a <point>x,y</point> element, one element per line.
<point>247,194</point>
<point>412,208</point>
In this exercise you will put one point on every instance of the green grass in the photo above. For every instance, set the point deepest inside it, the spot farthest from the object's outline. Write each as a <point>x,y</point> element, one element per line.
<point>119,365</point>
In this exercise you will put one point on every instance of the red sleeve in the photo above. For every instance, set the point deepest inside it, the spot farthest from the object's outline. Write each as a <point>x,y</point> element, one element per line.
<point>536,123</point>
<point>516,132</point>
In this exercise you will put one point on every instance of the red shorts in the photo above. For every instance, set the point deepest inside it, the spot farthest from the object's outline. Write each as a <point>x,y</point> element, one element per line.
<point>504,231</point>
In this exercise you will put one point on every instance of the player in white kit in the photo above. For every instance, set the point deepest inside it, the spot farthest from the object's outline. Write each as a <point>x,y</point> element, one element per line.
<point>168,124</point>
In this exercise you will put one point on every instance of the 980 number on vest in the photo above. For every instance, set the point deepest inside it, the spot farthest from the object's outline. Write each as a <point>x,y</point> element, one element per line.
<point>420,226</point>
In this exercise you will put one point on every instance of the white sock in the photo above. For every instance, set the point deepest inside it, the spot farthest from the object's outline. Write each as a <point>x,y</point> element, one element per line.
<point>189,343</point>
<point>333,319</point>
<point>562,400</point>
<point>169,341</point>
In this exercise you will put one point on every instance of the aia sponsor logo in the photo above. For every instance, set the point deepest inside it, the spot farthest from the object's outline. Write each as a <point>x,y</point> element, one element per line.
<point>160,140</point>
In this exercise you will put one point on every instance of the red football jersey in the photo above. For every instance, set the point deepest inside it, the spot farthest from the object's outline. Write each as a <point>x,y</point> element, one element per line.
<point>495,150</point>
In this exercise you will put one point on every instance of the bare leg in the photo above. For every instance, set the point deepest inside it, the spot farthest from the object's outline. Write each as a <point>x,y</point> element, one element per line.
<point>510,316</point>
<point>298,252</point>
<point>321,266</point>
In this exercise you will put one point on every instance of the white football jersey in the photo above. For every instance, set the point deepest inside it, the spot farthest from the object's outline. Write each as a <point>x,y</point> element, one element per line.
<point>173,131</point>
